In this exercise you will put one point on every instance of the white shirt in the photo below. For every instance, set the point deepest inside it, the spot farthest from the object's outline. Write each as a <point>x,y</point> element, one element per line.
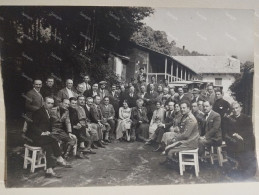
<point>70,93</point>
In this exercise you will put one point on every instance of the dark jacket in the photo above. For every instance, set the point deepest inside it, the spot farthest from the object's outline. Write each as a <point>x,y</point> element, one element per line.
<point>221,106</point>
<point>40,123</point>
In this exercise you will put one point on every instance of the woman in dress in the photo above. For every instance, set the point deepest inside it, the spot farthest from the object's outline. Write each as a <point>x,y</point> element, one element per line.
<point>124,121</point>
<point>158,118</point>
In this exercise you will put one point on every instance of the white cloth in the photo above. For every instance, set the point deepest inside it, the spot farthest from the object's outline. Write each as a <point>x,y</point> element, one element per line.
<point>70,93</point>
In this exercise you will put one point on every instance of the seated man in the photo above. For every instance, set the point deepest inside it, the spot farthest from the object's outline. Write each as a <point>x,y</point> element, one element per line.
<point>140,123</point>
<point>90,133</point>
<point>199,115</point>
<point>168,122</point>
<point>40,132</point>
<point>211,128</point>
<point>77,129</point>
<point>240,141</point>
<point>108,113</point>
<point>61,127</point>
<point>187,138</point>
<point>97,118</point>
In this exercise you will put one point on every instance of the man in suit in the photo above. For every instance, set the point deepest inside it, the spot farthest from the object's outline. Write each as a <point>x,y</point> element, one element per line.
<point>77,129</point>
<point>86,83</point>
<point>240,141</point>
<point>131,97</point>
<point>115,99</point>
<point>49,90</point>
<point>93,92</point>
<point>199,115</point>
<point>162,128</point>
<point>97,118</point>
<point>80,89</point>
<point>182,97</point>
<point>196,95</point>
<point>61,127</point>
<point>211,94</point>
<point>66,92</point>
<point>33,101</point>
<point>151,98</point>
<point>40,132</point>
<point>153,82</point>
<point>108,113</point>
<point>103,92</point>
<point>200,105</point>
<point>212,130</point>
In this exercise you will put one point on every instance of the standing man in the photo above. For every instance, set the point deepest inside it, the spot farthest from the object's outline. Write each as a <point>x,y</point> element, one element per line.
<point>93,92</point>
<point>182,97</point>
<point>211,128</point>
<point>131,97</point>
<point>115,100</point>
<point>196,95</point>
<point>103,91</point>
<point>86,83</point>
<point>49,89</point>
<point>66,92</point>
<point>40,132</point>
<point>211,95</point>
<point>151,99</point>
<point>80,89</point>
<point>199,115</point>
<point>108,113</point>
<point>153,82</point>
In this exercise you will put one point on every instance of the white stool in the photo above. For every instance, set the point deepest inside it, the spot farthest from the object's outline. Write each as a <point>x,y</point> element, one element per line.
<point>218,156</point>
<point>189,161</point>
<point>35,159</point>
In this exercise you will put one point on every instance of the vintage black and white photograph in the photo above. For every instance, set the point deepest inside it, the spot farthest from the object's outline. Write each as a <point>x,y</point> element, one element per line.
<point>127,96</point>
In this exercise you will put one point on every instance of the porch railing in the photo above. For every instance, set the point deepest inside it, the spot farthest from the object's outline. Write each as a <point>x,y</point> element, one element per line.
<point>162,76</point>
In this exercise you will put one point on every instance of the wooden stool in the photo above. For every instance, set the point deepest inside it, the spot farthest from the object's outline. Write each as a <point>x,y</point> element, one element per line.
<point>35,159</point>
<point>218,156</point>
<point>189,161</point>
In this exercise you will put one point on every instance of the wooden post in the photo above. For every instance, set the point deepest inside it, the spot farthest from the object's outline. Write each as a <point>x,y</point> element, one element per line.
<point>147,65</point>
<point>181,73</point>
<point>172,71</point>
<point>185,74</point>
<point>165,66</point>
<point>177,72</point>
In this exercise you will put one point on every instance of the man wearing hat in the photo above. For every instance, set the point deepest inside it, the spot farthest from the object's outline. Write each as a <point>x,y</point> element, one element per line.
<point>196,95</point>
<point>102,91</point>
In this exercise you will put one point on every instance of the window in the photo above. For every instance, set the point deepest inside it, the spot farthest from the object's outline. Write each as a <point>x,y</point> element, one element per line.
<point>218,81</point>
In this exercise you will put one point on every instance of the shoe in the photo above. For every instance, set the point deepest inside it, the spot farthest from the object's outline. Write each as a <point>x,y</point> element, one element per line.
<point>90,152</point>
<point>94,146</point>
<point>82,149</point>
<point>107,140</point>
<point>64,164</point>
<point>101,145</point>
<point>159,149</point>
<point>80,156</point>
<point>104,143</point>
<point>52,175</point>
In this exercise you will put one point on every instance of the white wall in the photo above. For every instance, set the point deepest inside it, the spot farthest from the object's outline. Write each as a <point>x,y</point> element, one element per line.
<point>227,81</point>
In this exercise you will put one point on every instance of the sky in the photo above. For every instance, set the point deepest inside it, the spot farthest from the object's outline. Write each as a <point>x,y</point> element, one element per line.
<point>208,31</point>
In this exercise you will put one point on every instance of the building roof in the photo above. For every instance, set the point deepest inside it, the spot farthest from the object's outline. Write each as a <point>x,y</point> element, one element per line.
<point>210,64</point>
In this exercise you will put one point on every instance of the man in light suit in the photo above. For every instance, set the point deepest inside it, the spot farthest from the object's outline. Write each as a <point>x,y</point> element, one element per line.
<point>66,92</point>
<point>211,128</point>
<point>86,85</point>
<point>103,92</point>
<point>108,113</point>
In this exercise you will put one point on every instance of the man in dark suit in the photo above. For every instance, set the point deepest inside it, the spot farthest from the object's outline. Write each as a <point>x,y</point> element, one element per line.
<point>93,92</point>
<point>182,97</point>
<point>86,83</point>
<point>196,95</point>
<point>212,130</point>
<point>49,90</point>
<point>40,132</point>
<point>153,82</point>
<point>240,141</point>
<point>131,97</point>
<point>162,128</point>
<point>115,100</point>
<point>151,98</point>
<point>199,115</point>
<point>66,92</point>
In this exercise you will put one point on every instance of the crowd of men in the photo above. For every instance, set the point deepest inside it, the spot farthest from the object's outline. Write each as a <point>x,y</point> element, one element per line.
<point>75,120</point>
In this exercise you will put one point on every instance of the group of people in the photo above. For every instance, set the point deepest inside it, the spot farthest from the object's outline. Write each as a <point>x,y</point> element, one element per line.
<point>75,120</point>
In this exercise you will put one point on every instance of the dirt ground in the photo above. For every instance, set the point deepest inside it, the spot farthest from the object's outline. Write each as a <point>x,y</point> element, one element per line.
<point>120,164</point>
